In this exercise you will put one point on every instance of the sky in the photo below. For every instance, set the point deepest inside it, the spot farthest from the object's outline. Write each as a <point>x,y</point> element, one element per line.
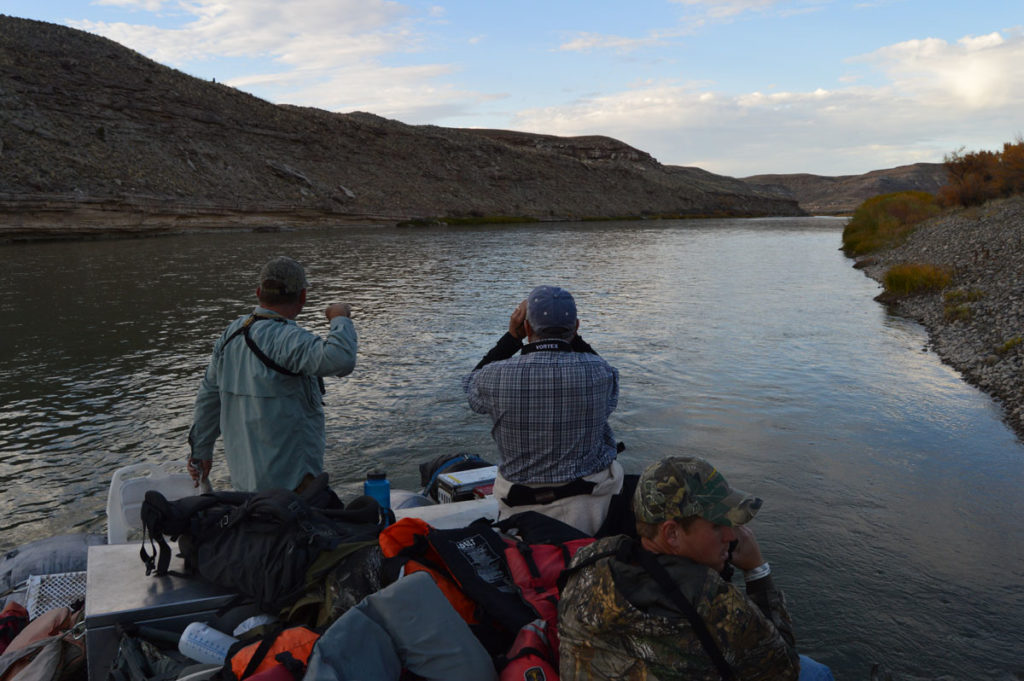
<point>737,87</point>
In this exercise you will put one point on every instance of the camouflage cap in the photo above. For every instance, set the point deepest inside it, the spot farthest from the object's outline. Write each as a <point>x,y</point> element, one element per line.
<point>681,487</point>
<point>283,276</point>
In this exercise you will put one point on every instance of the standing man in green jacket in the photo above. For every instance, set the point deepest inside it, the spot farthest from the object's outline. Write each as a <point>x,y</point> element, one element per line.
<point>263,387</point>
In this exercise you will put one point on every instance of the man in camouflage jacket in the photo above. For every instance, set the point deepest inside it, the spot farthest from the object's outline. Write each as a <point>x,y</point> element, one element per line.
<point>617,622</point>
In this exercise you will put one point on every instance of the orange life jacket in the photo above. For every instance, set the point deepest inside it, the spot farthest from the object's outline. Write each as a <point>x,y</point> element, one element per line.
<point>296,641</point>
<point>412,532</point>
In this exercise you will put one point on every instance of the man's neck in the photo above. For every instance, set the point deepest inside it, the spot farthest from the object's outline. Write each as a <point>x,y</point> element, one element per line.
<point>288,311</point>
<point>651,545</point>
<point>535,339</point>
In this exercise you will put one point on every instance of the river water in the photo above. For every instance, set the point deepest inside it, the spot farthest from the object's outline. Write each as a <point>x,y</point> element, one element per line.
<point>892,490</point>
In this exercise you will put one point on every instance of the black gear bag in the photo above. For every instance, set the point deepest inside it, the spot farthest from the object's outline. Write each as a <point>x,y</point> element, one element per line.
<point>259,545</point>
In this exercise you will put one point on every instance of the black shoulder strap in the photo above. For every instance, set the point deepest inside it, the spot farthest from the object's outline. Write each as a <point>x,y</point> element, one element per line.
<point>271,364</point>
<point>261,651</point>
<point>649,562</point>
<point>622,554</point>
<point>160,560</point>
<point>160,516</point>
<point>629,551</point>
<point>242,329</point>
<point>262,356</point>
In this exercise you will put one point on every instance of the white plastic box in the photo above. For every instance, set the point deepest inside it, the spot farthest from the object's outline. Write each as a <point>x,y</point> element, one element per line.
<point>459,486</point>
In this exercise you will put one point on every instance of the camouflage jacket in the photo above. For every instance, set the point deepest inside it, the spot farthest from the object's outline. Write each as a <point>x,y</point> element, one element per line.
<point>615,622</point>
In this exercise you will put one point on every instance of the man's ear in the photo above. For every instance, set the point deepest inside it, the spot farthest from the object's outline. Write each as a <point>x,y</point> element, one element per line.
<point>670,532</point>
<point>529,329</point>
<point>302,297</point>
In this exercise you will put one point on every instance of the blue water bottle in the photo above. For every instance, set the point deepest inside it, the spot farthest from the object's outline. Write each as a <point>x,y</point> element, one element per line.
<point>378,487</point>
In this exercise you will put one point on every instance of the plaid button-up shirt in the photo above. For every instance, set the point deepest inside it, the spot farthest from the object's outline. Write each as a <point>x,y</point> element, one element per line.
<point>550,408</point>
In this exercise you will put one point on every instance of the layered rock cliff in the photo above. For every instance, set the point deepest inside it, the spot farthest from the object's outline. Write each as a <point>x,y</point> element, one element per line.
<point>841,194</point>
<point>96,138</point>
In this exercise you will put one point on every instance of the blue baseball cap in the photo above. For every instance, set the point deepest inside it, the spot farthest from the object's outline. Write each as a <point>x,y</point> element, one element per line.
<point>551,307</point>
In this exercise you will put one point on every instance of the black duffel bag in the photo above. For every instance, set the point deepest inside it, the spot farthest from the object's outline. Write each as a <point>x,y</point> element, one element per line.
<point>259,545</point>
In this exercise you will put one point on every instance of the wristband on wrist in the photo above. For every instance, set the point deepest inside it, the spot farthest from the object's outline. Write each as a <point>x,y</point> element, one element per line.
<point>760,572</point>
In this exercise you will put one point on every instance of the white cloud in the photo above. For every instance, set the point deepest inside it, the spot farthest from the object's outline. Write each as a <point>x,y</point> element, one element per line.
<point>587,42</point>
<point>145,5</point>
<point>324,53</point>
<point>404,93</point>
<point>938,97</point>
<point>721,9</point>
<point>702,13</point>
<point>974,73</point>
<point>264,28</point>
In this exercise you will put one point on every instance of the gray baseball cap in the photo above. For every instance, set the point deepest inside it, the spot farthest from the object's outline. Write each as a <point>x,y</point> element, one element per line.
<point>283,276</point>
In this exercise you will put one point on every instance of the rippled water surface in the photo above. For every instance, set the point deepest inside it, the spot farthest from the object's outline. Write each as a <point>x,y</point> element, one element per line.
<point>893,491</point>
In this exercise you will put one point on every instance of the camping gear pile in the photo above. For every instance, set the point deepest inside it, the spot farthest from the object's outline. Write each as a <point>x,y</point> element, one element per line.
<point>298,564</point>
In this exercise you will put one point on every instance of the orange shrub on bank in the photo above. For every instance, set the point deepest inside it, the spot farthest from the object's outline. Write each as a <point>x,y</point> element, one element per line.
<point>1011,168</point>
<point>977,176</point>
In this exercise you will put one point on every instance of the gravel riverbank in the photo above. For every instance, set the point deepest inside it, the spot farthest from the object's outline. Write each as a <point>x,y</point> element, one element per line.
<point>977,324</point>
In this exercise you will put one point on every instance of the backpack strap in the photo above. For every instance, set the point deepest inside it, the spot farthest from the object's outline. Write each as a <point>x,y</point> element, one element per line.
<point>262,356</point>
<point>622,554</point>
<point>630,551</point>
<point>160,559</point>
<point>155,513</point>
<point>649,562</point>
<point>271,364</point>
<point>162,517</point>
<point>261,651</point>
<point>296,668</point>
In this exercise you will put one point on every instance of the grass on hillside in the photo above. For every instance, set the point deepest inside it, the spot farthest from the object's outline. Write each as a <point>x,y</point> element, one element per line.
<point>956,304</point>
<point>908,279</point>
<point>885,220</point>
<point>1009,345</point>
<point>971,295</point>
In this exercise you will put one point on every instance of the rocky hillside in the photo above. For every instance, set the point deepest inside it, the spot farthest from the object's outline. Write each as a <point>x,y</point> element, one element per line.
<point>823,195</point>
<point>977,324</point>
<point>96,138</point>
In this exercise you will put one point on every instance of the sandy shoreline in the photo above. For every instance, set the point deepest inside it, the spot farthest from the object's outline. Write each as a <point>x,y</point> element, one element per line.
<point>980,338</point>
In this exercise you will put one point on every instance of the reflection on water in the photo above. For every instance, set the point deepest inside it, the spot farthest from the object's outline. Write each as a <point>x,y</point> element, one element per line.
<point>892,489</point>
